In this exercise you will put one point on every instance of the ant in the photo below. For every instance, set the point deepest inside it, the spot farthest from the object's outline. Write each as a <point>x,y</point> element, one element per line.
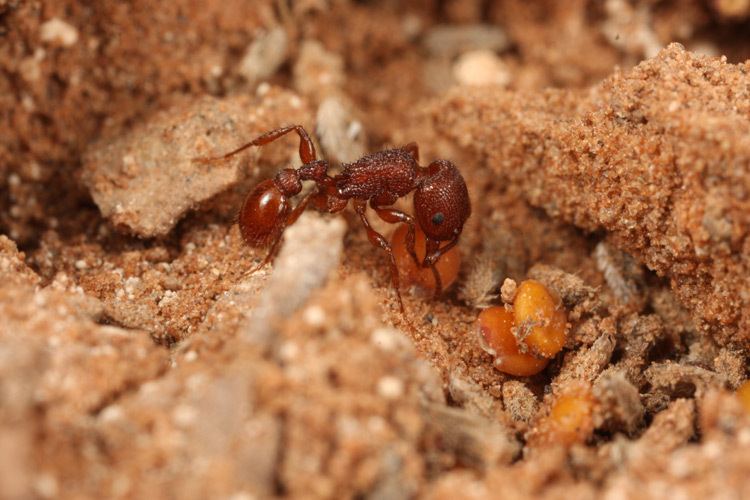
<point>441,200</point>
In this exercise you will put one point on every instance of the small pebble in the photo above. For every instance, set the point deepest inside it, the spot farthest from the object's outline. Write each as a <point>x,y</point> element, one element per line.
<point>452,40</point>
<point>386,339</point>
<point>390,387</point>
<point>264,56</point>
<point>184,415</point>
<point>481,67</point>
<point>46,486</point>
<point>58,31</point>
<point>314,316</point>
<point>317,71</point>
<point>288,351</point>
<point>341,134</point>
<point>111,413</point>
<point>242,495</point>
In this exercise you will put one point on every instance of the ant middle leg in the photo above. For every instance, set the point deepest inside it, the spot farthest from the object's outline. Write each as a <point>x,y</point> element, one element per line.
<point>377,239</point>
<point>306,146</point>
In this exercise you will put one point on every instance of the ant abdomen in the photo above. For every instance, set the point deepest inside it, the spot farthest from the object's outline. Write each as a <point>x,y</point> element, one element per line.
<point>263,214</point>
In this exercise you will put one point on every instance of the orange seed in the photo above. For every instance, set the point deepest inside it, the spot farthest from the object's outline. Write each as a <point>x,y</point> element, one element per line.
<point>496,334</point>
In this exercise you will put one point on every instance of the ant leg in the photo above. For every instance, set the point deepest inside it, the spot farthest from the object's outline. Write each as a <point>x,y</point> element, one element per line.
<point>325,202</point>
<point>306,146</point>
<point>432,249</point>
<point>269,256</point>
<point>438,281</point>
<point>301,206</point>
<point>435,251</point>
<point>432,254</point>
<point>378,240</point>
<point>393,216</point>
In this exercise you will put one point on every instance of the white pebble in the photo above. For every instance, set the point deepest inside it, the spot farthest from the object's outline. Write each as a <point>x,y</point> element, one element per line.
<point>386,339</point>
<point>451,40</point>
<point>390,387</point>
<point>242,495</point>
<point>481,67</point>
<point>58,31</point>
<point>184,415</point>
<point>263,89</point>
<point>288,351</point>
<point>743,437</point>
<point>111,413</point>
<point>314,316</point>
<point>46,485</point>
<point>295,102</point>
<point>342,136</point>
<point>264,56</point>
<point>317,71</point>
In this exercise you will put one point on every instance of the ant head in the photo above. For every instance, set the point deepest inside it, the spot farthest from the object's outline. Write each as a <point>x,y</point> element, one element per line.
<point>263,214</point>
<point>441,201</point>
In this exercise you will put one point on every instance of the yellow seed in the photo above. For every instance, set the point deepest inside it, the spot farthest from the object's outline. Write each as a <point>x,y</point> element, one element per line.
<point>570,419</point>
<point>540,319</point>
<point>571,416</point>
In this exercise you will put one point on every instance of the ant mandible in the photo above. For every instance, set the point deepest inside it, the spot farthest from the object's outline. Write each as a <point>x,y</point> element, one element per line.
<point>441,200</point>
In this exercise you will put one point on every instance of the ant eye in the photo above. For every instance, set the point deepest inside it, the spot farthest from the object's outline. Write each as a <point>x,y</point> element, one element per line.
<point>438,218</point>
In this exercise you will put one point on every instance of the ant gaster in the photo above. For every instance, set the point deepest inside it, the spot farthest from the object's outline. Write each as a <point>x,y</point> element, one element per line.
<point>441,200</point>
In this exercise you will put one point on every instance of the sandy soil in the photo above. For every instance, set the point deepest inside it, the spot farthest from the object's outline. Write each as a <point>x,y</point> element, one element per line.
<point>139,358</point>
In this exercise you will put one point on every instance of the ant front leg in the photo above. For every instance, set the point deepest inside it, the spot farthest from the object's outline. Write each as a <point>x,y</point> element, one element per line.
<point>377,239</point>
<point>306,146</point>
<point>393,216</point>
<point>433,252</point>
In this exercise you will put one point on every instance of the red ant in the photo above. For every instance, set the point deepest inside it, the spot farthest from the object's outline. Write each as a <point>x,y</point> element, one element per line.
<point>441,200</point>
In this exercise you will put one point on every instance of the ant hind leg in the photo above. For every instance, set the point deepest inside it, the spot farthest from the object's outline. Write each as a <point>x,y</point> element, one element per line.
<point>270,256</point>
